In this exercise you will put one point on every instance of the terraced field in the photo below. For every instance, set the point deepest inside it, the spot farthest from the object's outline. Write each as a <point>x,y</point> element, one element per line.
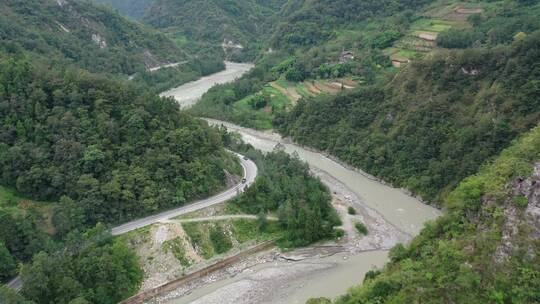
<point>423,33</point>
<point>282,95</point>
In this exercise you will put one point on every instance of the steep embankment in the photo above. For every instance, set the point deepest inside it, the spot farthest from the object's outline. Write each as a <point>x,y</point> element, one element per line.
<point>434,123</point>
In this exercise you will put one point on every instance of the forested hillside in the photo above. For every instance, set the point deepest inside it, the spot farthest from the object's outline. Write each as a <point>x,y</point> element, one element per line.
<point>78,32</point>
<point>135,9</point>
<point>98,141</point>
<point>485,249</point>
<point>77,149</point>
<point>307,23</point>
<point>245,24</point>
<point>286,186</point>
<point>425,126</point>
<point>435,123</point>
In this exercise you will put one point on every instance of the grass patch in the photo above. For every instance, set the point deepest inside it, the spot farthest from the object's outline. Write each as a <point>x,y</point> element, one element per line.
<point>432,25</point>
<point>176,246</point>
<point>247,230</point>
<point>302,90</point>
<point>220,241</point>
<point>278,100</point>
<point>8,198</point>
<point>283,83</point>
<point>15,204</point>
<point>521,201</point>
<point>199,239</point>
<point>129,237</point>
<point>407,54</point>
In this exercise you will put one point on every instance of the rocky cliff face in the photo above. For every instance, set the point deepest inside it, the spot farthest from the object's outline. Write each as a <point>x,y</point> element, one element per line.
<point>521,217</point>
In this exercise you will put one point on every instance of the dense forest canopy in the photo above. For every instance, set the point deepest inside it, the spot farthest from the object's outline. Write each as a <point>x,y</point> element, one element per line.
<point>455,122</point>
<point>307,23</point>
<point>93,268</point>
<point>106,145</point>
<point>135,9</point>
<point>425,127</point>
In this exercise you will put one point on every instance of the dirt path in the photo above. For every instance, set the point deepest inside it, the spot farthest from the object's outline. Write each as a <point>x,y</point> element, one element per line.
<point>219,218</point>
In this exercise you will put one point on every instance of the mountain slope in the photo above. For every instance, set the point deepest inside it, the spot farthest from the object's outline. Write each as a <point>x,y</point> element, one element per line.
<point>485,249</point>
<point>244,23</point>
<point>307,23</point>
<point>135,9</point>
<point>434,123</point>
<point>91,37</point>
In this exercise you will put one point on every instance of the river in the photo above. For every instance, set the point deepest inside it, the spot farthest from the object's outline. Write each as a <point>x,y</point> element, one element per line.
<point>189,93</point>
<point>391,215</point>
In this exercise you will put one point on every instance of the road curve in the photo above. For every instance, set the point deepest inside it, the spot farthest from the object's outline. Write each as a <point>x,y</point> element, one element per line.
<point>250,173</point>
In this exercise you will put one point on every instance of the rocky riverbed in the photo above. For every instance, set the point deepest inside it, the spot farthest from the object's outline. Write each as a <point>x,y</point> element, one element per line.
<point>268,277</point>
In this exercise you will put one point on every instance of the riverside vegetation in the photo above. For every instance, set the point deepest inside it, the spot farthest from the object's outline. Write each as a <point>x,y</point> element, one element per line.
<point>286,187</point>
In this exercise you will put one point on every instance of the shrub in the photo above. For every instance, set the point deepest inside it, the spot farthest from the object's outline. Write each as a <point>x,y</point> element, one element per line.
<point>371,275</point>
<point>351,210</point>
<point>457,39</point>
<point>339,232</point>
<point>521,201</point>
<point>397,253</point>
<point>221,242</point>
<point>319,301</point>
<point>362,229</point>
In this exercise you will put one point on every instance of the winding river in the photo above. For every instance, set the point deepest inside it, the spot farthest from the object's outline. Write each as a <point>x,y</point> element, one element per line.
<point>189,93</point>
<point>281,281</point>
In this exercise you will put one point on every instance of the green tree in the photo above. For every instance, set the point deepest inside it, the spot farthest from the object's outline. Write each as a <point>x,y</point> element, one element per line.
<point>8,266</point>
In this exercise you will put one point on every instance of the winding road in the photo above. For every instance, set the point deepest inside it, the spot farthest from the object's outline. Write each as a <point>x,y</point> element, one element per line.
<point>250,173</point>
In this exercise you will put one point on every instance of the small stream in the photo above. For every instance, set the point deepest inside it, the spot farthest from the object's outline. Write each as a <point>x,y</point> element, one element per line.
<point>330,276</point>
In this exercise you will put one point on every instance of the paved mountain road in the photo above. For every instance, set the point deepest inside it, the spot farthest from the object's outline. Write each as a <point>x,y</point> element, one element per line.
<point>250,173</point>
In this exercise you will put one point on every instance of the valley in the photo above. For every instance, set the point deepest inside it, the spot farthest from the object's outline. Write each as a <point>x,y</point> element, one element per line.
<point>391,216</point>
<point>283,151</point>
